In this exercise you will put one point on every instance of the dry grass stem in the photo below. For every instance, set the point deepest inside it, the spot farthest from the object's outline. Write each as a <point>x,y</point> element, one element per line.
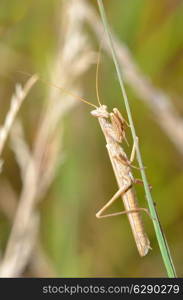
<point>40,265</point>
<point>16,101</point>
<point>38,166</point>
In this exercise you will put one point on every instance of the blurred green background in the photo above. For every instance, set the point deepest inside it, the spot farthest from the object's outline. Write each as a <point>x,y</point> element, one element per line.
<point>74,242</point>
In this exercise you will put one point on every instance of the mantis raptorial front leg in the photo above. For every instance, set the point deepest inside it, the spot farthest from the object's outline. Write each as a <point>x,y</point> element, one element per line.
<point>132,156</point>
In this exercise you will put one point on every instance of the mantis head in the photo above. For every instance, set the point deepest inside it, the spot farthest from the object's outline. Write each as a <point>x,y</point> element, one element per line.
<point>100,112</point>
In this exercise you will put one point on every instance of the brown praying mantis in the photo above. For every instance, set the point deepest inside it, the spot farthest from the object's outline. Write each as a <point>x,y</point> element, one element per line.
<point>113,127</point>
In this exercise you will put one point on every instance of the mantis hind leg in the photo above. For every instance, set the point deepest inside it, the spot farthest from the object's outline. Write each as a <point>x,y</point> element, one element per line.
<point>120,192</point>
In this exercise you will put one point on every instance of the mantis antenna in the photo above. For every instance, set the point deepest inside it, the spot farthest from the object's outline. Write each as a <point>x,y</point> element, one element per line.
<point>63,89</point>
<point>97,75</point>
<point>71,94</point>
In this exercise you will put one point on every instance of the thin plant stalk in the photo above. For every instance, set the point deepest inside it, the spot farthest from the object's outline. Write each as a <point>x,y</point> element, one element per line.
<point>165,252</point>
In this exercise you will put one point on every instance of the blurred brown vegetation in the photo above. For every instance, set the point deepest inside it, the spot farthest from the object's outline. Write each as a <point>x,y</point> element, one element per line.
<point>36,37</point>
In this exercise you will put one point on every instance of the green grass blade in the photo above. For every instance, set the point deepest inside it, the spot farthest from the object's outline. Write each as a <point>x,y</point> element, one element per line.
<point>165,252</point>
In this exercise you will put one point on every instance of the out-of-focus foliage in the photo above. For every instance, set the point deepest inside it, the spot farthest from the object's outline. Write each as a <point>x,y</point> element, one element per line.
<point>77,243</point>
